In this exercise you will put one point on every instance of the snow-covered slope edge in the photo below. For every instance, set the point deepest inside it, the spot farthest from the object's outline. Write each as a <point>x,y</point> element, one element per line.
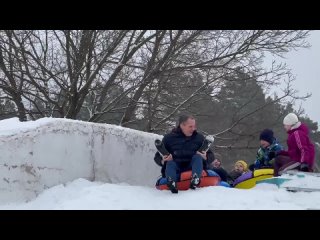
<point>41,154</point>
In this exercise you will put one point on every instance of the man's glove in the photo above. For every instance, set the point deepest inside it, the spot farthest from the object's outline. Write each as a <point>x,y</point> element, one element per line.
<point>304,167</point>
<point>158,159</point>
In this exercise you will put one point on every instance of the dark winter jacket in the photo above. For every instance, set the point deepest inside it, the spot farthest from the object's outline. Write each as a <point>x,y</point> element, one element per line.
<point>183,148</point>
<point>300,148</point>
<point>265,155</point>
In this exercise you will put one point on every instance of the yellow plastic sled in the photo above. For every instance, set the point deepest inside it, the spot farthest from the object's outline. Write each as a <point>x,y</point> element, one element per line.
<point>249,179</point>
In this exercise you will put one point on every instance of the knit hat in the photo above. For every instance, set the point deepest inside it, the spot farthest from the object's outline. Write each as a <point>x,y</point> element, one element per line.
<point>244,164</point>
<point>267,135</point>
<point>290,119</point>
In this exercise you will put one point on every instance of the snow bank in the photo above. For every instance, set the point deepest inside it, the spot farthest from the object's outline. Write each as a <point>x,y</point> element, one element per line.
<point>82,194</point>
<point>302,180</point>
<point>40,154</point>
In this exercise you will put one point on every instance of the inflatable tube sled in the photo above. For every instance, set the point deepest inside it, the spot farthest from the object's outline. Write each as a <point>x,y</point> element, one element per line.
<point>208,178</point>
<point>249,179</point>
<point>224,184</point>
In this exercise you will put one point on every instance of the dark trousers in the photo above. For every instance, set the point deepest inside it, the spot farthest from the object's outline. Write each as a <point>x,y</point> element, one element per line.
<point>173,169</point>
<point>283,164</point>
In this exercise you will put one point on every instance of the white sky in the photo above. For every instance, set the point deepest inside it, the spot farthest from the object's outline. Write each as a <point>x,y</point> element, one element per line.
<point>305,65</point>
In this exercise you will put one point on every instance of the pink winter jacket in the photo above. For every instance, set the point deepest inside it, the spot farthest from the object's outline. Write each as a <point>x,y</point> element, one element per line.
<point>300,148</point>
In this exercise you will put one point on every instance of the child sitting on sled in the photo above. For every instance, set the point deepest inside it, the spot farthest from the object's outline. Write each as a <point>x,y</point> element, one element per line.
<point>240,168</point>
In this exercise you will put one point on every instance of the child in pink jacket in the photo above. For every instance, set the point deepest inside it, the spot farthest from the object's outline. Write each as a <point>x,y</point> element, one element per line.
<point>301,153</point>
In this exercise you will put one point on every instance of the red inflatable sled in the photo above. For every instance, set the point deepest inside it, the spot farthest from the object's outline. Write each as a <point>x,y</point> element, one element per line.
<point>208,178</point>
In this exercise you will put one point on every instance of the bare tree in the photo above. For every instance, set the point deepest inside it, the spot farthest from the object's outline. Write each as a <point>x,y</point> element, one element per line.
<point>62,66</point>
<point>11,79</point>
<point>219,54</point>
<point>63,73</point>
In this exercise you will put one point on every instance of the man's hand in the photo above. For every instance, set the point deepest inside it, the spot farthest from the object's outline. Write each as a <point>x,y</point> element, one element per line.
<point>166,158</point>
<point>203,154</point>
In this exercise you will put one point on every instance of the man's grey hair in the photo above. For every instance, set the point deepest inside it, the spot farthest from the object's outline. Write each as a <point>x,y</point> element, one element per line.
<point>183,119</point>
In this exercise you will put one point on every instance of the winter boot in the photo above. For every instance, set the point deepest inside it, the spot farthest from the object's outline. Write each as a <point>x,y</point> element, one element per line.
<point>195,181</point>
<point>172,185</point>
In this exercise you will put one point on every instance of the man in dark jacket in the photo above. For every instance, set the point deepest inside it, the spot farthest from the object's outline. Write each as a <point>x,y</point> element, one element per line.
<point>183,143</point>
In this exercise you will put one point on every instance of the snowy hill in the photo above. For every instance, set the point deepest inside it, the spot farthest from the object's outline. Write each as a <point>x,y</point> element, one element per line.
<point>82,194</point>
<point>40,154</point>
<point>67,164</point>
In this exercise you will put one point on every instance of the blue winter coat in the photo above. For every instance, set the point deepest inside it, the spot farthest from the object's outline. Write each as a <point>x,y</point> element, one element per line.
<point>263,155</point>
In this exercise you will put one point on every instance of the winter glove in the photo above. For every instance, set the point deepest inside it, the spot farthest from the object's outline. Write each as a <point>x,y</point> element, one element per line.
<point>304,167</point>
<point>271,155</point>
<point>158,159</point>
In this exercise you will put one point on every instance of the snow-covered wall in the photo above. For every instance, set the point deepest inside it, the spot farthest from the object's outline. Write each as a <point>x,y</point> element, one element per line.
<point>40,154</point>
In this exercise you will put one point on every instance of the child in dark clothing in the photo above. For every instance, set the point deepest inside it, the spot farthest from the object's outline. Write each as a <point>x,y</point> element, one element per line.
<point>216,166</point>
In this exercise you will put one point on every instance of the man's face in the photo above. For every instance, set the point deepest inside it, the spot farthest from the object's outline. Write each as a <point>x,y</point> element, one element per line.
<point>188,127</point>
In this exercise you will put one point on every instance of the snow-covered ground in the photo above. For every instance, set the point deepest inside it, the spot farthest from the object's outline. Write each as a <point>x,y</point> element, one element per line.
<point>54,159</point>
<point>83,194</point>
